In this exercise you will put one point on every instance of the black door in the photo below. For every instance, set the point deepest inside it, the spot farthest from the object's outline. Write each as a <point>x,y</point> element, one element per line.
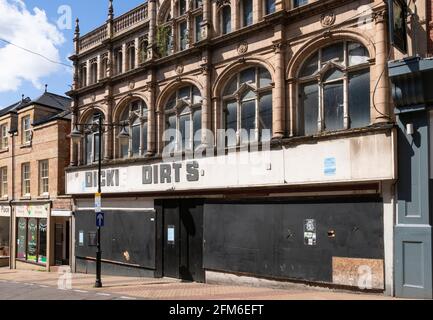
<point>58,251</point>
<point>183,240</point>
<point>171,239</point>
<point>192,241</point>
<point>67,243</point>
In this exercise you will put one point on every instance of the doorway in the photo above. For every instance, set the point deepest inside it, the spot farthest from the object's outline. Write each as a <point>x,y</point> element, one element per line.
<point>183,240</point>
<point>61,242</point>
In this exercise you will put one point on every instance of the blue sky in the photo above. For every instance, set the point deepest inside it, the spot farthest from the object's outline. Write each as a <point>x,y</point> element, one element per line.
<point>37,20</point>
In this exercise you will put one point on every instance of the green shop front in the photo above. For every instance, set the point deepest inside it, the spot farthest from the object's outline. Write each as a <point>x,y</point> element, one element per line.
<point>32,235</point>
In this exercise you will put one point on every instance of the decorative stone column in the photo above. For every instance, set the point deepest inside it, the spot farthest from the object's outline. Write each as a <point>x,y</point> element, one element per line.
<point>279,5</point>
<point>74,146</point>
<point>206,102</point>
<point>235,14</point>
<point>124,57</point>
<point>278,100</point>
<point>137,51</point>
<point>257,10</point>
<point>88,72</point>
<point>291,102</point>
<point>207,20</point>
<point>215,24</point>
<point>152,29</point>
<point>380,93</point>
<point>151,119</point>
<point>109,141</point>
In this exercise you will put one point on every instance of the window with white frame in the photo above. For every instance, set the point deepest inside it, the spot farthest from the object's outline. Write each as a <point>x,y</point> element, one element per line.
<point>4,182</point>
<point>183,119</point>
<point>92,140</point>
<point>26,130</point>
<point>43,177</point>
<point>135,118</point>
<point>334,89</point>
<point>247,106</point>
<point>4,139</point>
<point>25,176</point>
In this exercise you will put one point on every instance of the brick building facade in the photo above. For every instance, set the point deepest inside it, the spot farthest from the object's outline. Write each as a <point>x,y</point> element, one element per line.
<point>34,153</point>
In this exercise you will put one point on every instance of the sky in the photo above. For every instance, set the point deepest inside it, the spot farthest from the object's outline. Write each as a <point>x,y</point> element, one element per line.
<point>45,27</point>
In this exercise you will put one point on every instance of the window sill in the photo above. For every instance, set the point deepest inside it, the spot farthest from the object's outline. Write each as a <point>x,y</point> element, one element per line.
<point>26,198</point>
<point>43,197</point>
<point>5,198</point>
<point>26,145</point>
<point>4,150</point>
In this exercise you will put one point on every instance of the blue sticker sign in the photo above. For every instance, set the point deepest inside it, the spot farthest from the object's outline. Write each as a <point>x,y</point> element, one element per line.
<point>100,219</point>
<point>330,167</point>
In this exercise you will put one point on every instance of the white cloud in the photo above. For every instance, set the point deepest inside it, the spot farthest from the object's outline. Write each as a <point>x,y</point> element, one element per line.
<point>30,30</point>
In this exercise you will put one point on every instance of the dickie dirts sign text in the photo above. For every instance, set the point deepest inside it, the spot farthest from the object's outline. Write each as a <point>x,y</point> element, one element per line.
<point>153,174</point>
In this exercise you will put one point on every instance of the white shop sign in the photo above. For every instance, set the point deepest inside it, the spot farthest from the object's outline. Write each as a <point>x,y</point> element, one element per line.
<point>5,211</point>
<point>365,158</point>
<point>32,211</point>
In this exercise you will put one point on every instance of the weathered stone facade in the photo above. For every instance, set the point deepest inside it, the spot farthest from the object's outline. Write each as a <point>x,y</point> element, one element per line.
<point>156,65</point>
<point>280,42</point>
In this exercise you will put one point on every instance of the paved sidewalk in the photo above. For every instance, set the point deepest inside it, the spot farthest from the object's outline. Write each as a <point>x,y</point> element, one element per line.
<point>172,289</point>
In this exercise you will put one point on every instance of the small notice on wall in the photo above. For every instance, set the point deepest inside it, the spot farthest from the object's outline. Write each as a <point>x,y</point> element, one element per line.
<point>330,167</point>
<point>310,235</point>
<point>170,234</point>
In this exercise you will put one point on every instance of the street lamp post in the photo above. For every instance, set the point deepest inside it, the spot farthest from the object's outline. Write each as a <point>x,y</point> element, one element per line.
<point>98,282</point>
<point>77,136</point>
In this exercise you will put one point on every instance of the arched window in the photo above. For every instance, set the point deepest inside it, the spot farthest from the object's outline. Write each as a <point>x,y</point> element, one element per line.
<point>247,12</point>
<point>334,89</point>
<point>226,19</point>
<point>247,100</point>
<point>183,117</point>
<point>135,115</point>
<point>92,139</point>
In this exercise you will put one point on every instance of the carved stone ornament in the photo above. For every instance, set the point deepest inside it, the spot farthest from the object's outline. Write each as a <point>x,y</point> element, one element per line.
<point>131,84</point>
<point>327,19</point>
<point>93,97</point>
<point>243,48</point>
<point>179,69</point>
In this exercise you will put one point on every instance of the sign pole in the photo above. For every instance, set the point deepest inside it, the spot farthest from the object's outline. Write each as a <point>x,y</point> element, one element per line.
<point>98,282</point>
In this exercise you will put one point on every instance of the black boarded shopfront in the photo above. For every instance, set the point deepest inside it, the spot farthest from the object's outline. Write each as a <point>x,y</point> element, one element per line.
<point>276,239</point>
<point>297,240</point>
<point>127,241</point>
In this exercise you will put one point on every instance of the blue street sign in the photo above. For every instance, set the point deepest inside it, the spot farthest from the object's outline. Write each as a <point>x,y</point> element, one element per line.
<point>100,219</point>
